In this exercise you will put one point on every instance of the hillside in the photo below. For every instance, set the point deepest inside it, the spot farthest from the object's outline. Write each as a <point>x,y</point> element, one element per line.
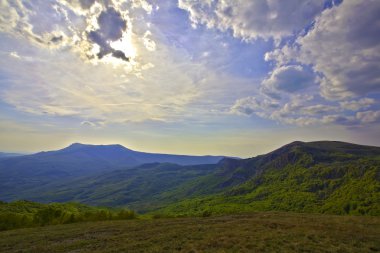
<point>23,174</point>
<point>323,177</point>
<point>255,232</point>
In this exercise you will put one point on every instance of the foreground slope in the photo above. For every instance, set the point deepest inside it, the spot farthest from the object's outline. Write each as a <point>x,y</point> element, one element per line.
<point>257,232</point>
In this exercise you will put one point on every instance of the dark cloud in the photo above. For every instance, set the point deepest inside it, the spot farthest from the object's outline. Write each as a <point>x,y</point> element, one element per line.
<point>111,24</point>
<point>56,39</point>
<point>86,4</point>
<point>120,54</point>
<point>111,28</point>
<point>290,79</point>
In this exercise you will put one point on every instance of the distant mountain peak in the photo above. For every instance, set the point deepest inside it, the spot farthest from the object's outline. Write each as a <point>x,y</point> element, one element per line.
<point>77,145</point>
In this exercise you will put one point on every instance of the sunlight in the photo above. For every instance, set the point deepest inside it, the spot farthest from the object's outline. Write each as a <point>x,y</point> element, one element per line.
<point>125,45</point>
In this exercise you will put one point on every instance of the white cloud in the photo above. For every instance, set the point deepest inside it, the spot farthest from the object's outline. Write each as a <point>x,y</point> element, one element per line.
<point>304,110</point>
<point>355,105</point>
<point>148,42</point>
<point>253,19</point>
<point>318,109</point>
<point>14,54</point>
<point>368,116</point>
<point>252,105</point>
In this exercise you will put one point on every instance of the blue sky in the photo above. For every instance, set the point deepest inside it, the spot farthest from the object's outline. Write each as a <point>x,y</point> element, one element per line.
<point>193,77</point>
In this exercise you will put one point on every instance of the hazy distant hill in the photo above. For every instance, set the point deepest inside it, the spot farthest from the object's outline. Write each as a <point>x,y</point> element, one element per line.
<point>2,154</point>
<point>23,173</point>
<point>138,186</point>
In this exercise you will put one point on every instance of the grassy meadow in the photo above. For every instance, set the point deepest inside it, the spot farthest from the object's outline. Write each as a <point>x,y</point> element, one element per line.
<point>254,232</point>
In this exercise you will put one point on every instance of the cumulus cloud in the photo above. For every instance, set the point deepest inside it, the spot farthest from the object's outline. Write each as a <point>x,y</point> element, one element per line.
<point>253,19</point>
<point>336,61</point>
<point>343,46</point>
<point>289,79</point>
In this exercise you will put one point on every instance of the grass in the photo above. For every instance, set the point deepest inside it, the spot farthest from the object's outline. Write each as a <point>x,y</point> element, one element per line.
<point>254,232</point>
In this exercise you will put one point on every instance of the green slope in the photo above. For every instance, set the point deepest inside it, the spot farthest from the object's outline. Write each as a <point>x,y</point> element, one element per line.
<point>323,177</point>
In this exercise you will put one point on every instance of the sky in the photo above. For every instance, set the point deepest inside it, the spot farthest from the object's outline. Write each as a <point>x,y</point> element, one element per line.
<point>218,77</point>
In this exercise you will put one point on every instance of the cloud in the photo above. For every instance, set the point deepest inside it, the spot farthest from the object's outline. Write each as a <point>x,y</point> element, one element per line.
<point>14,54</point>
<point>368,116</point>
<point>318,109</point>
<point>253,19</point>
<point>251,105</point>
<point>304,110</point>
<point>335,61</point>
<point>148,42</point>
<point>87,27</point>
<point>86,4</point>
<point>343,46</point>
<point>111,28</point>
<point>289,79</point>
<point>144,67</point>
<point>355,105</point>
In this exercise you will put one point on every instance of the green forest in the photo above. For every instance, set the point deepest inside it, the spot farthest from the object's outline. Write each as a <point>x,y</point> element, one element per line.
<point>20,214</point>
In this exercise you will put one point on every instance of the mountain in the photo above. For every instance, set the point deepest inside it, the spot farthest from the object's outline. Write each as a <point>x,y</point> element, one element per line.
<point>24,173</point>
<point>321,177</point>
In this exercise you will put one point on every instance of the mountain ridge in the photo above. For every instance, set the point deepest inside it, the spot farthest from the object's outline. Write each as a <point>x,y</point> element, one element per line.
<point>299,176</point>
